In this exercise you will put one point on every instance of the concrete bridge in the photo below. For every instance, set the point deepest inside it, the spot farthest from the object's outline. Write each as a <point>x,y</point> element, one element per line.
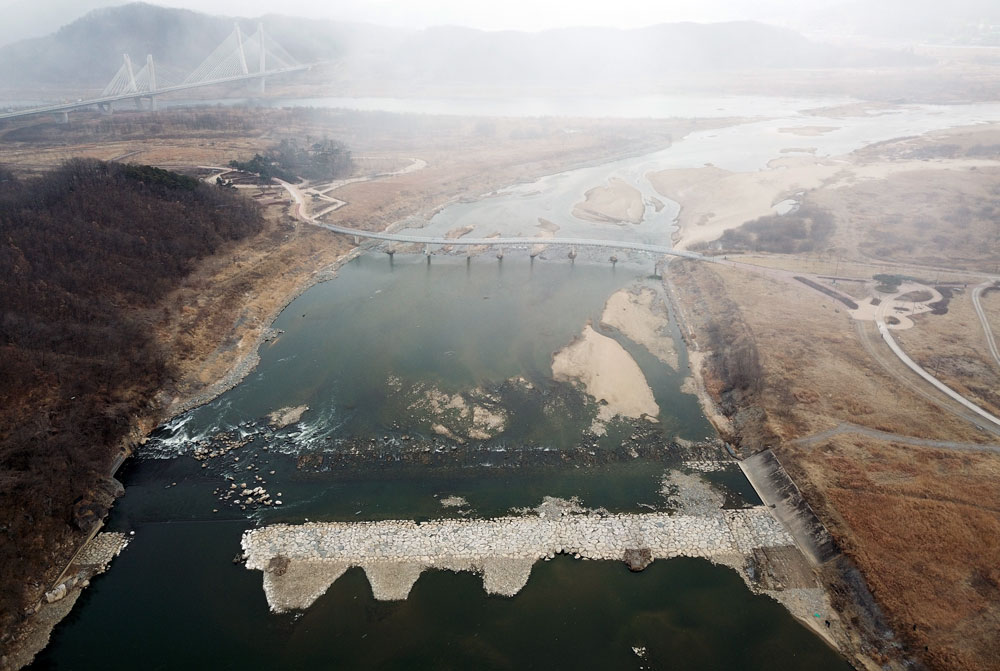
<point>514,242</point>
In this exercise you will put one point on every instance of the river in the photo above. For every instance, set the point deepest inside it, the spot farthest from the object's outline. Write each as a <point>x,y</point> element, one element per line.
<point>364,353</point>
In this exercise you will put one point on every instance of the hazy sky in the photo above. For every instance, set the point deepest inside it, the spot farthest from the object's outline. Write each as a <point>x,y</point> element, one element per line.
<point>487,14</point>
<point>514,14</point>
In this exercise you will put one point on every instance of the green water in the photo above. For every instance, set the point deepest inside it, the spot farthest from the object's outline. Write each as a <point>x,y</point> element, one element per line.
<point>175,600</point>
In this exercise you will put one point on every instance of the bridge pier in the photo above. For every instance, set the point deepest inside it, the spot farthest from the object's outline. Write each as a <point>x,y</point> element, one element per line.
<point>613,260</point>
<point>500,252</point>
<point>64,117</point>
<point>572,254</point>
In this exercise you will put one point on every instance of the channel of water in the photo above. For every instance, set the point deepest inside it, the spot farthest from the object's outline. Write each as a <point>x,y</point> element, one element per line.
<point>358,351</point>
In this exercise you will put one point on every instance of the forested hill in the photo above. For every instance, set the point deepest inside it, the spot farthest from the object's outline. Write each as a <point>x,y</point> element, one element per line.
<point>85,254</point>
<point>86,53</point>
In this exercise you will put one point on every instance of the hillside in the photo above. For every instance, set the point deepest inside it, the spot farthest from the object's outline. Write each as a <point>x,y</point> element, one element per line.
<point>86,53</point>
<point>88,250</point>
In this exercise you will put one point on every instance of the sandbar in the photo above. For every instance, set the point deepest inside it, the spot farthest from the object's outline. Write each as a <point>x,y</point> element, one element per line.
<point>642,317</point>
<point>607,373</point>
<point>615,203</point>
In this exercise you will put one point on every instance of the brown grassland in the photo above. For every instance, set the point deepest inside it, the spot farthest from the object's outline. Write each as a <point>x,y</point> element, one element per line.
<point>211,323</point>
<point>947,345</point>
<point>921,523</point>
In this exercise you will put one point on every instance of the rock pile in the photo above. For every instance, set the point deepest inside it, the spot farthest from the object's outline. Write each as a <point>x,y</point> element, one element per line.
<point>394,553</point>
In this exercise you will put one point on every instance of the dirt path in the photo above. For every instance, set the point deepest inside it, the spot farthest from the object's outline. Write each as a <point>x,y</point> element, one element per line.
<point>848,428</point>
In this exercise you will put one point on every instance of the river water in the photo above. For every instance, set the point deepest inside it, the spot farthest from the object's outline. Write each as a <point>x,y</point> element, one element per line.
<point>363,352</point>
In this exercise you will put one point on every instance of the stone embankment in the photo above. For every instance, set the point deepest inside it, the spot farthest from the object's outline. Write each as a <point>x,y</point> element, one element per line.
<point>301,561</point>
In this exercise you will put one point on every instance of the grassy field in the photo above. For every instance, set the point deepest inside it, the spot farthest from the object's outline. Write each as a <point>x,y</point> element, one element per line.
<point>922,524</point>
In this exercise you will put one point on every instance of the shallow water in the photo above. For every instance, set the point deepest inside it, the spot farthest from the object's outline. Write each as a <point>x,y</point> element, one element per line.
<point>742,147</point>
<point>175,600</point>
<point>688,614</point>
<point>175,591</point>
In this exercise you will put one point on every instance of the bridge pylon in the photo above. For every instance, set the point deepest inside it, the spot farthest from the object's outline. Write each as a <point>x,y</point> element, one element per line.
<point>151,70</point>
<point>263,58</point>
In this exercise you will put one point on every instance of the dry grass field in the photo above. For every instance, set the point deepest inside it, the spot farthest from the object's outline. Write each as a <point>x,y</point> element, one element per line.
<point>933,217</point>
<point>924,527</point>
<point>816,372</point>
<point>953,348</point>
<point>921,524</point>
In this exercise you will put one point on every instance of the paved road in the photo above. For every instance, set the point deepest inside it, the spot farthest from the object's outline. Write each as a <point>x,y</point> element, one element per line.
<point>890,365</point>
<point>976,293</point>
<point>904,357</point>
<point>515,242</point>
<point>847,427</point>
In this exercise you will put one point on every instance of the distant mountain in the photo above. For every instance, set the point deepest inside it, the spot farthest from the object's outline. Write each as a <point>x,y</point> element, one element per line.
<point>86,53</point>
<point>24,19</point>
<point>958,21</point>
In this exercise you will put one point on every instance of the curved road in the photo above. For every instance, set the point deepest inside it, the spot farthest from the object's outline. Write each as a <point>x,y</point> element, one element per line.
<point>982,318</point>
<point>916,368</point>
<point>871,346</point>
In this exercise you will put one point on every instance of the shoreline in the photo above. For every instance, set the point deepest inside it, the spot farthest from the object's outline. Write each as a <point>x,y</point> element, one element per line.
<point>39,632</point>
<point>262,332</point>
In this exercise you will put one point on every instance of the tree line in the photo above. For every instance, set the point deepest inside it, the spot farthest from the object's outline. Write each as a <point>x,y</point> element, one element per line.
<point>289,161</point>
<point>86,253</point>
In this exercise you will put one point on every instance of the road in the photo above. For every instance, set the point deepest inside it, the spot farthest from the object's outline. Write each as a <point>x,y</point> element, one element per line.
<point>976,293</point>
<point>904,357</point>
<point>848,428</point>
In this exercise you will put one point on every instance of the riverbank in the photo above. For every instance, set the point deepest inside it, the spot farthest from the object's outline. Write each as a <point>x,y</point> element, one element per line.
<point>880,499</point>
<point>215,323</point>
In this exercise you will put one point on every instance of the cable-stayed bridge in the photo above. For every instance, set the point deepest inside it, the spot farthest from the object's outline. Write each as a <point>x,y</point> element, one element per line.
<point>240,57</point>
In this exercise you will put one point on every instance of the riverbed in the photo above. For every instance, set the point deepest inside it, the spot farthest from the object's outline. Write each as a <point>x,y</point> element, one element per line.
<point>366,369</point>
<point>356,352</point>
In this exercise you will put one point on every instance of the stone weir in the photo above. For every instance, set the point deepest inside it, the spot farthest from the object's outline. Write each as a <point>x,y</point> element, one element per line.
<point>300,562</point>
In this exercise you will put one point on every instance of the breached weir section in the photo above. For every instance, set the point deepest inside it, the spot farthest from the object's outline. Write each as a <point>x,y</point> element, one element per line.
<point>300,562</point>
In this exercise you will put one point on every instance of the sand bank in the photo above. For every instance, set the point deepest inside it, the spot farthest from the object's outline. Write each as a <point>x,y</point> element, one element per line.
<point>618,202</point>
<point>642,317</point>
<point>714,200</point>
<point>808,131</point>
<point>607,373</point>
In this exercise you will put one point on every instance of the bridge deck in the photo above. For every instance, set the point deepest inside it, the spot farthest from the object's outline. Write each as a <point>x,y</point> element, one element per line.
<point>470,242</point>
<point>132,95</point>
